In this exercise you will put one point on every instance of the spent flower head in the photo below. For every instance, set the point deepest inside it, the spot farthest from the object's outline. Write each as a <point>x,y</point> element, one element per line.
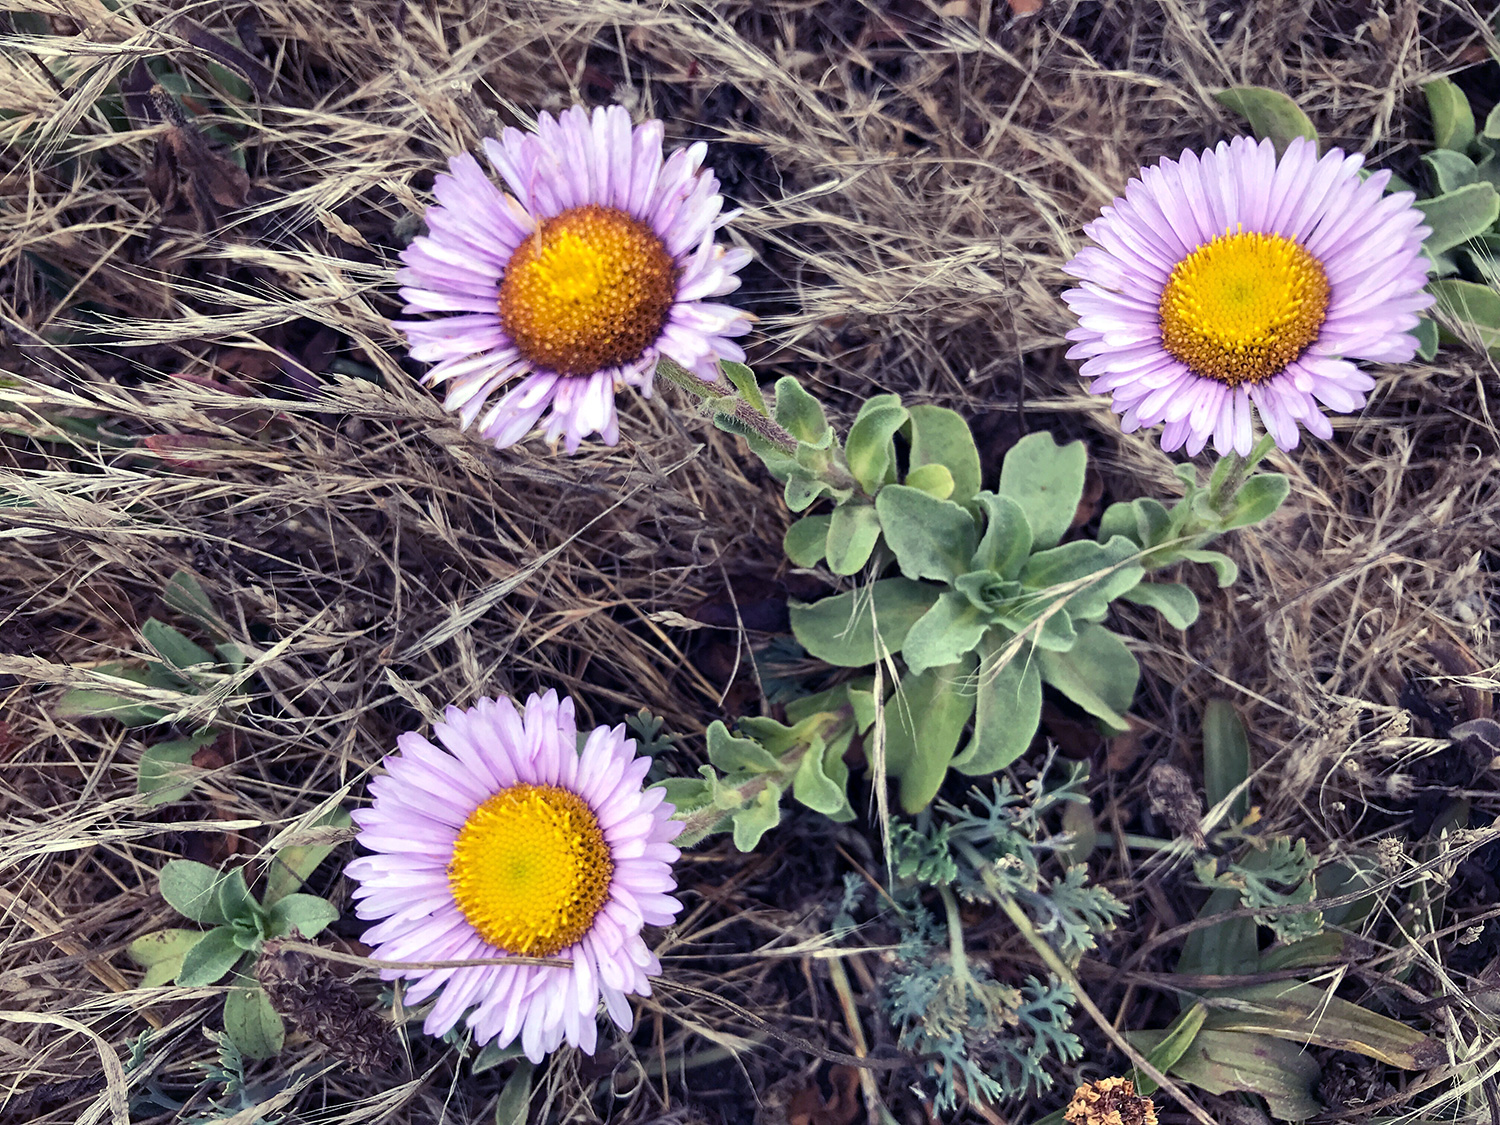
<point>510,840</point>
<point>598,261</point>
<point>1230,278</point>
<point>1110,1101</point>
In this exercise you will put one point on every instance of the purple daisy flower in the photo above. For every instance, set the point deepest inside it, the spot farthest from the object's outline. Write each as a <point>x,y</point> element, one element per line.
<point>598,262</point>
<point>511,840</point>
<point>1231,278</point>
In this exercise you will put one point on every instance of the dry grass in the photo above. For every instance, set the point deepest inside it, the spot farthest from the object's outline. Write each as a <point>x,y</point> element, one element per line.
<point>216,388</point>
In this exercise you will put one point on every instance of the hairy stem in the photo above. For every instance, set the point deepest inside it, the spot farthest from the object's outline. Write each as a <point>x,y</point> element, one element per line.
<point>722,396</point>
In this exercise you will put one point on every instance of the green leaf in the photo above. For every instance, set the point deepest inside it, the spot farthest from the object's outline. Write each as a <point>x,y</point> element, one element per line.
<point>294,865</point>
<point>1098,673</point>
<point>236,902</point>
<point>738,755</point>
<point>514,1103</point>
<point>1471,311</point>
<point>214,954</point>
<point>252,1023</point>
<point>869,449</point>
<point>744,382</point>
<point>1309,953</point>
<point>172,646</point>
<point>1312,1017</point>
<point>940,436</point>
<point>951,628</point>
<point>89,703</point>
<point>935,480</point>
<point>1225,567</point>
<point>1006,544</point>
<point>161,954</point>
<point>192,889</point>
<point>490,1056</point>
<point>1226,757</point>
<point>1492,124</point>
<point>923,723</point>
<point>931,538</point>
<point>1257,498</point>
<point>1172,600</point>
<point>1452,119</point>
<point>798,413</point>
<point>1008,707</point>
<point>166,772</point>
<point>806,540</point>
<point>802,491</point>
<point>1457,216</point>
<point>757,818</point>
<point>1426,333</point>
<point>1221,1061</point>
<point>1270,113</point>
<point>184,593</point>
<point>1046,480</point>
<point>687,794</point>
<point>1225,949</point>
<point>853,531</point>
<point>842,630</point>
<point>1078,560</point>
<point>308,914</point>
<point>813,787</point>
<point>1179,1037</point>
<point>1450,170</point>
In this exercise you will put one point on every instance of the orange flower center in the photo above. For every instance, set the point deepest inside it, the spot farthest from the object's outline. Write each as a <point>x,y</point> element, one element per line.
<point>531,869</point>
<point>590,289</point>
<point>1240,308</point>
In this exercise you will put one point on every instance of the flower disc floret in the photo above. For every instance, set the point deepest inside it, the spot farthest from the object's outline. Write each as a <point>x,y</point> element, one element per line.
<point>591,288</point>
<point>508,840</point>
<point>1234,279</point>
<point>1240,308</point>
<point>599,260</point>
<point>530,869</point>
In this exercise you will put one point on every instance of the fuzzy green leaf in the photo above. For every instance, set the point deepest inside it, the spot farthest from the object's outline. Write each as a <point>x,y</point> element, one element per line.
<point>192,889</point>
<point>161,954</point>
<point>931,538</point>
<point>806,541</point>
<point>513,1105</point>
<point>1470,310</point>
<point>1452,119</point>
<point>1257,498</point>
<point>307,914</point>
<point>1270,113</point>
<point>236,902</point>
<point>1450,170</point>
<point>1079,559</point>
<point>1225,567</point>
<point>1457,216</point>
<point>173,647</point>
<point>869,449</point>
<point>738,755</point>
<point>88,703</point>
<point>853,531</point>
<point>1008,707</point>
<point>813,787</point>
<point>798,413</point>
<point>1098,673</point>
<point>924,721</point>
<point>1426,333</point>
<point>1046,480</point>
<point>744,382</point>
<point>210,958</point>
<point>1172,600</point>
<point>842,629</point>
<point>184,593</point>
<point>292,866</point>
<point>1006,543</point>
<point>166,772</point>
<point>951,628</point>
<point>940,436</point>
<point>757,818</point>
<point>935,480</point>
<point>252,1023</point>
<point>802,491</point>
<point>1492,124</point>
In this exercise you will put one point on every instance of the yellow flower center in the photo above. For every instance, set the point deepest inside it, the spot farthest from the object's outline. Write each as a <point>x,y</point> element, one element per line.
<point>591,288</point>
<point>1240,308</point>
<point>531,869</point>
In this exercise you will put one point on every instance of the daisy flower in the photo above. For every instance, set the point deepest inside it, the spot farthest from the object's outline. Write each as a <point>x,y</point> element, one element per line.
<point>597,262</point>
<point>1232,278</point>
<point>511,840</point>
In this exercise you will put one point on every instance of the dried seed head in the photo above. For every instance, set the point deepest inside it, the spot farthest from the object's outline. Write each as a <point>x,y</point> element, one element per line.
<point>1110,1101</point>
<point>1175,799</point>
<point>325,1008</point>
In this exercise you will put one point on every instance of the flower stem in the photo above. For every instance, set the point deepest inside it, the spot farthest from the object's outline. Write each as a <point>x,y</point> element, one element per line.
<point>961,974</point>
<point>723,398</point>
